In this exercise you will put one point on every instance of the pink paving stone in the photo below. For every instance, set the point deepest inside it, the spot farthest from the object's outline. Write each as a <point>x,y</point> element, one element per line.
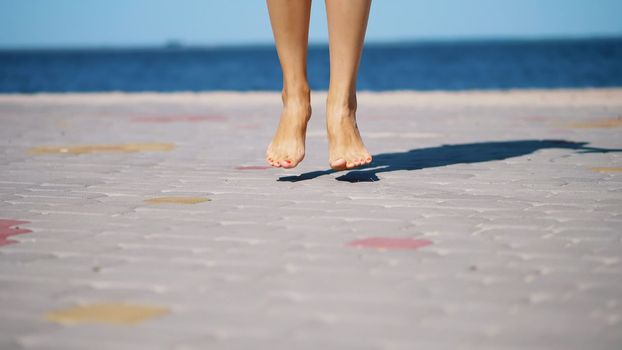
<point>390,243</point>
<point>384,117</point>
<point>6,230</point>
<point>178,118</point>
<point>253,167</point>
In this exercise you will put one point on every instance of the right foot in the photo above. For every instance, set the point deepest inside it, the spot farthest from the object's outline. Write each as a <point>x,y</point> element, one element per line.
<point>346,148</point>
<point>287,148</point>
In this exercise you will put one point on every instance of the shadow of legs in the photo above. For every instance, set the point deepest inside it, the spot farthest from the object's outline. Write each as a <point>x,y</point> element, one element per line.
<point>448,155</point>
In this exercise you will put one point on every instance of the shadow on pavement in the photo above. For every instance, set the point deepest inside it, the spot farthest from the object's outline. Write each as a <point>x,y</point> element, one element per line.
<point>447,155</point>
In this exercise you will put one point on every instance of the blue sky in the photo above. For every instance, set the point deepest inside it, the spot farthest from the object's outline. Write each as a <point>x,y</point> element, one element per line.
<point>73,23</point>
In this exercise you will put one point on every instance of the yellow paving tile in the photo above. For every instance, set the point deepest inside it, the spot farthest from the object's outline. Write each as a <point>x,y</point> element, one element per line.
<point>601,123</point>
<point>110,313</point>
<point>113,148</point>
<point>607,170</point>
<point>177,200</point>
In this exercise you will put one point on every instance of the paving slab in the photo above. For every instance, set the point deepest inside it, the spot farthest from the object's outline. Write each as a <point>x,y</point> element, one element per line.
<point>487,220</point>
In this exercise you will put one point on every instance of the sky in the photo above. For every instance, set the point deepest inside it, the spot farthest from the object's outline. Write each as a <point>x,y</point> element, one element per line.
<point>96,23</point>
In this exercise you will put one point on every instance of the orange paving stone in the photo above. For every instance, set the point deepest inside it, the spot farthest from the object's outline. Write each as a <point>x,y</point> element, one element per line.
<point>113,148</point>
<point>607,170</point>
<point>601,123</point>
<point>109,313</point>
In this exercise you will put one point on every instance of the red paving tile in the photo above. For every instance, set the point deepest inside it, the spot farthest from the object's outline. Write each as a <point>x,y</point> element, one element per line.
<point>179,119</point>
<point>253,167</point>
<point>7,230</point>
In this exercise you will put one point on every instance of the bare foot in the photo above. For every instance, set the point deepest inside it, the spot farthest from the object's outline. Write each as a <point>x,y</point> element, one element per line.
<point>346,148</point>
<point>287,148</point>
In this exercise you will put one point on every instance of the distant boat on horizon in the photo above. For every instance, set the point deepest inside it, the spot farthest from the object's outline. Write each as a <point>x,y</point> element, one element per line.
<point>173,44</point>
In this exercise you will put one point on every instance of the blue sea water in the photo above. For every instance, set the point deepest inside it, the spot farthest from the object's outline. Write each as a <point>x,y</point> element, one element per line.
<point>457,65</point>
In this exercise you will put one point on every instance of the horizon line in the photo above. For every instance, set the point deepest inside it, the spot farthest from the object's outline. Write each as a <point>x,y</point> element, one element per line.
<point>181,45</point>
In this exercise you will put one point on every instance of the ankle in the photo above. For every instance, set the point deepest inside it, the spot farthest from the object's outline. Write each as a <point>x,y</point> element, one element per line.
<point>296,96</point>
<point>341,104</point>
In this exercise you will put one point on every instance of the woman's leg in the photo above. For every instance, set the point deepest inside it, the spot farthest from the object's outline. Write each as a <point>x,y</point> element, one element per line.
<point>290,25</point>
<point>347,22</point>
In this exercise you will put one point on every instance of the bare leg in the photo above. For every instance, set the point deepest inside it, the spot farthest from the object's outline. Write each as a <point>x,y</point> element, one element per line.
<point>347,22</point>
<point>290,26</point>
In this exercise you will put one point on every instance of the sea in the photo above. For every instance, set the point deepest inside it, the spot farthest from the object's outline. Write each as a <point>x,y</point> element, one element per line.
<point>416,65</point>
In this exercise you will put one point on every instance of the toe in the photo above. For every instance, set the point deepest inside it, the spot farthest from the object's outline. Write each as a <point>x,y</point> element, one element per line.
<point>339,164</point>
